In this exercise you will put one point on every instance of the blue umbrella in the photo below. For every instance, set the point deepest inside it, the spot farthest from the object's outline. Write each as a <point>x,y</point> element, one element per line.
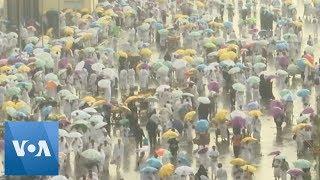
<point>158,26</point>
<point>183,159</point>
<point>201,66</point>
<point>202,125</point>
<point>228,24</point>
<point>45,111</point>
<point>154,162</point>
<point>301,63</point>
<point>282,45</point>
<point>303,93</point>
<point>148,169</point>
<point>288,97</point>
<point>253,105</point>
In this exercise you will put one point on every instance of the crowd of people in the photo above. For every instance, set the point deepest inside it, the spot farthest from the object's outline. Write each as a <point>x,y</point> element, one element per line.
<point>175,82</point>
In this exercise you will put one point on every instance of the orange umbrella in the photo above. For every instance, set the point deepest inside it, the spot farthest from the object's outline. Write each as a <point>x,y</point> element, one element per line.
<point>51,85</point>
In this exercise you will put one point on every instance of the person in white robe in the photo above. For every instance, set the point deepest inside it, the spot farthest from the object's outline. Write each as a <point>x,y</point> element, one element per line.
<point>117,155</point>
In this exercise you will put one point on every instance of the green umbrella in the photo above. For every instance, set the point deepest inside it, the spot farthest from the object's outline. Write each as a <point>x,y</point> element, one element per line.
<point>13,91</point>
<point>80,124</point>
<point>284,92</point>
<point>293,69</point>
<point>24,85</point>
<point>282,72</point>
<point>302,164</point>
<point>253,80</point>
<point>51,77</point>
<point>209,45</point>
<point>239,87</point>
<point>46,57</point>
<point>92,156</point>
<point>259,66</point>
<point>96,119</point>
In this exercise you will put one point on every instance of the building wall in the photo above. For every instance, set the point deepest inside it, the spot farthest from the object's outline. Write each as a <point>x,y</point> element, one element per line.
<point>61,4</point>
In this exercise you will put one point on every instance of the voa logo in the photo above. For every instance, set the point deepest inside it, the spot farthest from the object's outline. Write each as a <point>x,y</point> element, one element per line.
<point>31,148</point>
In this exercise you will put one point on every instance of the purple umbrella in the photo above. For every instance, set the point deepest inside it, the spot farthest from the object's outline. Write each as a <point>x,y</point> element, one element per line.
<point>214,86</point>
<point>308,110</point>
<point>276,103</point>
<point>63,63</point>
<point>238,122</point>
<point>283,61</point>
<point>277,111</point>
<point>295,172</point>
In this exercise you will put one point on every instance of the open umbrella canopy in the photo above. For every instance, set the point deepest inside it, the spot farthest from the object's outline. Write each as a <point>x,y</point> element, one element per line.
<point>190,116</point>
<point>202,125</point>
<point>203,100</point>
<point>255,113</point>
<point>154,162</point>
<point>148,169</point>
<point>248,139</point>
<point>91,155</point>
<point>221,115</point>
<point>303,93</point>
<point>75,134</point>
<point>295,172</point>
<point>253,80</point>
<point>166,170</point>
<point>184,170</point>
<point>302,164</point>
<point>239,87</point>
<point>238,161</point>
<point>170,134</point>
<point>249,168</point>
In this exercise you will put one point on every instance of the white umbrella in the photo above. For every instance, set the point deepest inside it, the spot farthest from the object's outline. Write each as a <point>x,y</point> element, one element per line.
<point>184,170</point>
<point>80,114</point>
<point>204,100</point>
<point>51,77</point>
<point>90,110</point>
<point>63,133</point>
<point>109,73</point>
<point>96,119</point>
<point>100,125</point>
<point>104,83</point>
<point>60,177</point>
<point>187,94</point>
<point>79,66</point>
<point>97,67</point>
<point>177,93</point>
<point>282,72</point>
<point>162,88</point>
<point>234,70</point>
<point>75,134</point>
<point>179,64</point>
<point>238,113</point>
<point>64,92</point>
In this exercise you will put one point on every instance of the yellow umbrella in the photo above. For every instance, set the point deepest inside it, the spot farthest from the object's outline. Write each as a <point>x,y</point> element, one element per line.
<point>249,168</point>
<point>24,69</point>
<point>89,99</point>
<point>170,134</point>
<point>299,127</point>
<point>180,52</point>
<point>190,52</point>
<point>5,69</point>
<point>3,78</point>
<point>68,43</point>
<point>222,51</point>
<point>122,54</point>
<point>238,161</point>
<point>298,23</point>
<point>233,46</point>
<point>166,170</point>
<point>132,98</point>
<point>85,11</point>
<point>68,31</point>
<point>255,113</point>
<point>229,55</point>
<point>8,104</point>
<point>248,139</point>
<point>216,24</point>
<point>99,103</point>
<point>190,116</point>
<point>188,59</point>
<point>181,16</point>
<point>221,115</point>
<point>146,52</point>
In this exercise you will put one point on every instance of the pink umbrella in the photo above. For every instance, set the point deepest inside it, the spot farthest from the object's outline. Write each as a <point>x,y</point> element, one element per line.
<point>308,110</point>
<point>276,111</point>
<point>63,63</point>
<point>276,103</point>
<point>295,172</point>
<point>214,86</point>
<point>238,122</point>
<point>3,62</point>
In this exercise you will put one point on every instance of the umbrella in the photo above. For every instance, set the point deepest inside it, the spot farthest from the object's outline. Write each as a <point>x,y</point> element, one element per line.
<point>51,77</point>
<point>293,69</point>
<point>259,65</point>
<point>288,97</point>
<point>202,125</point>
<point>248,139</point>
<point>284,92</point>
<point>239,87</point>
<point>214,86</point>
<point>221,115</point>
<point>97,67</point>
<point>234,70</point>
<point>237,113</point>
<point>295,172</point>
<point>183,170</point>
<point>154,162</point>
<point>91,156</point>
<point>63,133</point>
<point>170,134</point>
<point>13,91</point>
<point>75,135</point>
<point>179,64</point>
<point>276,111</point>
<point>276,103</point>
<point>90,110</point>
<point>166,170</point>
<point>238,122</point>
<point>148,169</point>
<point>104,83</point>
<point>274,153</point>
<point>249,168</point>
<point>302,164</point>
<point>303,93</point>
<point>308,110</point>
<point>190,116</point>
<point>161,152</point>
<point>253,105</point>
<point>253,80</point>
<point>282,72</point>
<point>255,113</point>
<point>227,63</point>
<point>60,177</point>
<point>124,122</point>
<point>280,157</point>
<point>238,161</point>
<point>187,94</point>
<point>100,125</point>
<point>299,127</point>
<point>82,124</point>
<point>204,100</point>
<point>80,114</point>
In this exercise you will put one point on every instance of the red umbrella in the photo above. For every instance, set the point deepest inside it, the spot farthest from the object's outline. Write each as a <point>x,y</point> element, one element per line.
<point>295,172</point>
<point>310,58</point>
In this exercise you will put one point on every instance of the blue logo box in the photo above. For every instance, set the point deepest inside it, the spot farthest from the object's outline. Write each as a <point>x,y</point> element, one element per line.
<point>31,148</point>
